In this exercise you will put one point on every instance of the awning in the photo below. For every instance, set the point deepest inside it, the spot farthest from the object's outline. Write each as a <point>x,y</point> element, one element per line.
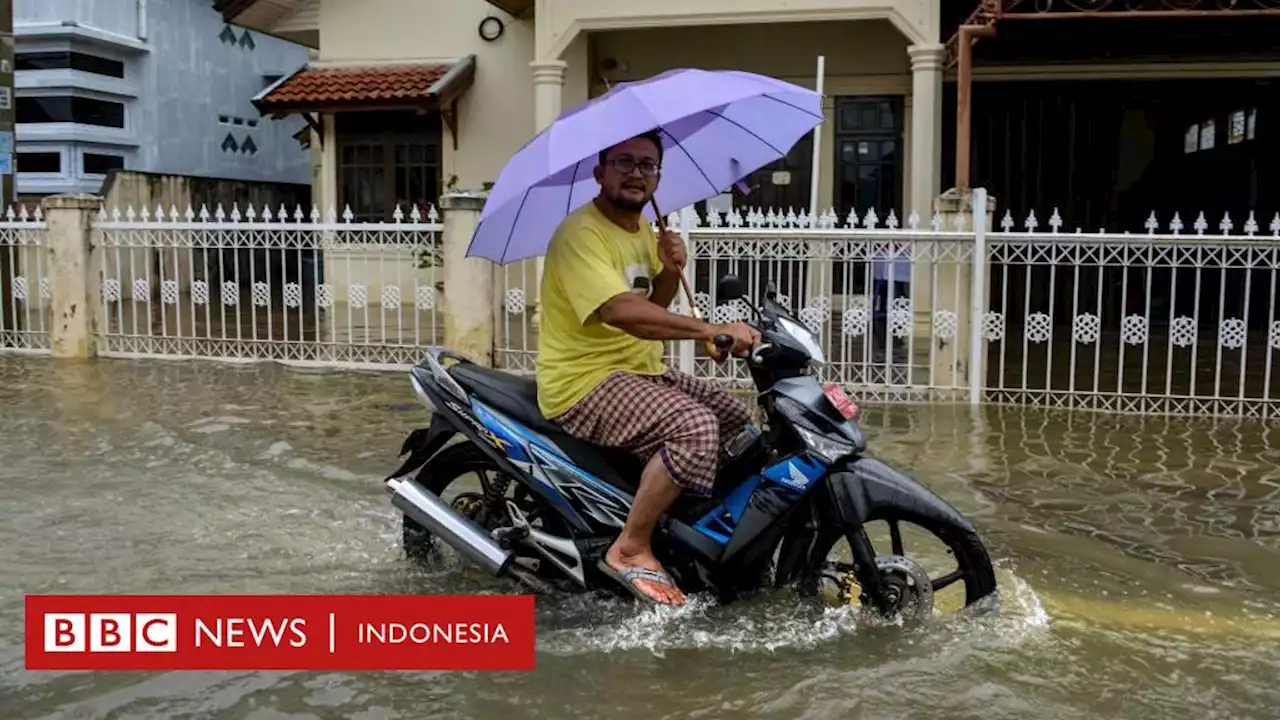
<point>423,87</point>
<point>379,87</point>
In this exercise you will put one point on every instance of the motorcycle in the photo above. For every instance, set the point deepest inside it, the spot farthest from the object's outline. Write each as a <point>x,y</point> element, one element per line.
<point>548,505</point>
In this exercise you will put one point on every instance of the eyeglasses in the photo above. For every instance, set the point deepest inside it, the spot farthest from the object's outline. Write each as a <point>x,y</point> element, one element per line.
<point>626,165</point>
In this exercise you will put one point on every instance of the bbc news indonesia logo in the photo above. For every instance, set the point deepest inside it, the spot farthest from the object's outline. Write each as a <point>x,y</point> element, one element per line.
<point>280,632</point>
<point>110,632</point>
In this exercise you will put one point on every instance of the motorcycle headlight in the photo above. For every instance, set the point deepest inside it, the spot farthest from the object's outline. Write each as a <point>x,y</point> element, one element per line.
<point>827,448</point>
<point>805,338</point>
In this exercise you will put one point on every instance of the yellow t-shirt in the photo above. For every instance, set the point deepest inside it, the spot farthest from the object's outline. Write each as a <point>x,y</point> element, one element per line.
<point>590,260</point>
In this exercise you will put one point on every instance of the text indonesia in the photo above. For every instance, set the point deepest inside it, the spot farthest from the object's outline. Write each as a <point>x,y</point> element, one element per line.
<point>280,632</point>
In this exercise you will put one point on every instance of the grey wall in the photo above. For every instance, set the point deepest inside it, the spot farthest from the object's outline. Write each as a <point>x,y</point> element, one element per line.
<point>114,16</point>
<point>192,78</point>
<point>185,89</point>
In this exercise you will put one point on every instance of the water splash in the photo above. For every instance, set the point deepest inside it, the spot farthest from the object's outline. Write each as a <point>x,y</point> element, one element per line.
<point>765,624</point>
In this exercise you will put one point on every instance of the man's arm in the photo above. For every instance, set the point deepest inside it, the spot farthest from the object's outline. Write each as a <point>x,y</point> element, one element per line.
<point>665,286</point>
<point>642,318</point>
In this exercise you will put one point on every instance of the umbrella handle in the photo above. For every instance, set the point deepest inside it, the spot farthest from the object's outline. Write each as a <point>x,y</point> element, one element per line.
<point>688,291</point>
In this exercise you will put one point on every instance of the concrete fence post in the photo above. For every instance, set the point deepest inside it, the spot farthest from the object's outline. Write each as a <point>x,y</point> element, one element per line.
<point>468,282</point>
<point>77,282</point>
<point>956,291</point>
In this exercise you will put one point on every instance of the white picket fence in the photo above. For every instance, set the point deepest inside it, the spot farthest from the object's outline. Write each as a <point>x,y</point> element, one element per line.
<point>1165,321</point>
<point>1169,319</point>
<point>294,288</point>
<point>26,283</point>
<point>1158,322</point>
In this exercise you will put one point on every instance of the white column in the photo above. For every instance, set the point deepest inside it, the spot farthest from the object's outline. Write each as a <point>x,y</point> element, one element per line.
<point>468,286</point>
<point>77,282</point>
<point>926,128</point>
<point>548,84</point>
<point>548,88</point>
<point>925,155</point>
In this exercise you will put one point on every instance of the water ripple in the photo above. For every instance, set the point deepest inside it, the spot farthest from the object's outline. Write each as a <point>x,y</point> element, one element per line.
<point>1133,553</point>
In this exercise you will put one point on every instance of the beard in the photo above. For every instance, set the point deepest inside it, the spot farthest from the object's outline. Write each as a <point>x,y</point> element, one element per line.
<point>628,203</point>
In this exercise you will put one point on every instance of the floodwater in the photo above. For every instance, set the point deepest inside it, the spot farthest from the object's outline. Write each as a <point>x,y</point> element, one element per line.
<point>1132,554</point>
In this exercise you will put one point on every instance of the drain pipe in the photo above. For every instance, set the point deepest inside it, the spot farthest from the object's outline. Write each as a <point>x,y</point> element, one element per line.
<point>966,37</point>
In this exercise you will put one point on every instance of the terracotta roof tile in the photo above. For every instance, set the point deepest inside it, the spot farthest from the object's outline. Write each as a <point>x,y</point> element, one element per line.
<point>354,85</point>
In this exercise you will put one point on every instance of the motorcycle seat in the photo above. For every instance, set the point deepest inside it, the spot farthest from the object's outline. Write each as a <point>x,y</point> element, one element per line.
<point>509,394</point>
<point>517,398</point>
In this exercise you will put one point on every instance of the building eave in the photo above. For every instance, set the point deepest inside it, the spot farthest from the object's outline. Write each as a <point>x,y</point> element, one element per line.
<point>522,9</point>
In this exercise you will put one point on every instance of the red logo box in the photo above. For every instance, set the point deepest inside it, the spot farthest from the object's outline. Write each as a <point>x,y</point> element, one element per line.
<point>280,632</point>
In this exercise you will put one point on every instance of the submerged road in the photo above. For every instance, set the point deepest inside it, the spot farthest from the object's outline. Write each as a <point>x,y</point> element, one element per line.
<point>1137,562</point>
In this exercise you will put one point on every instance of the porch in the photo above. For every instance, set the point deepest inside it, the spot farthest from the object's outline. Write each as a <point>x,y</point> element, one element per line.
<point>881,142</point>
<point>879,147</point>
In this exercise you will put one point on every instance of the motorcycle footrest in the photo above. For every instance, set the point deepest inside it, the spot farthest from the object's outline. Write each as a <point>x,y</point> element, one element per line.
<point>509,537</point>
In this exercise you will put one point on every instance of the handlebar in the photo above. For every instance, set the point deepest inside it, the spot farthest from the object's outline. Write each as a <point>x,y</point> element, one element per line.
<point>724,343</point>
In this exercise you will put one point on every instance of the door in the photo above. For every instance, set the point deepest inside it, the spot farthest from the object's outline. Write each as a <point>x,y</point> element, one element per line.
<point>869,162</point>
<point>869,158</point>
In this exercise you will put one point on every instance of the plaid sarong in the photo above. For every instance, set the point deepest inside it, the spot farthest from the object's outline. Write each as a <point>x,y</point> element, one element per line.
<point>685,419</point>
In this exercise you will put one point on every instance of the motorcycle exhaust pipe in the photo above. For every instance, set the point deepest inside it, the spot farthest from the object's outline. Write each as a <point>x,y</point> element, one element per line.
<point>451,526</point>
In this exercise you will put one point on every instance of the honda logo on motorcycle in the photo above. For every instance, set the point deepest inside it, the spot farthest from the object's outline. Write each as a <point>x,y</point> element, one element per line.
<point>793,478</point>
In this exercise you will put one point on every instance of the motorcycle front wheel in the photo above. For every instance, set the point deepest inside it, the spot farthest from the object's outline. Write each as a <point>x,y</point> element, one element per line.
<point>905,571</point>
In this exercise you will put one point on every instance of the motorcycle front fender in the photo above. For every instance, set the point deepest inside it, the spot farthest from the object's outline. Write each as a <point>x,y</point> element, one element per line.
<point>863,490</point>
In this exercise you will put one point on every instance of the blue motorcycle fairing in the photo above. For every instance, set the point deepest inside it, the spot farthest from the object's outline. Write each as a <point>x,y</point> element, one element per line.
<point>549,465</point>
<point>788,479</point>
<point>511,435</point>
<point>738,520</point>
<point>499,447</point>
<point>785,482</point>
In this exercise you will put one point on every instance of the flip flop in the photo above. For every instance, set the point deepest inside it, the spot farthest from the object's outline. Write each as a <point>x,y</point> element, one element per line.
<point>628,577</point>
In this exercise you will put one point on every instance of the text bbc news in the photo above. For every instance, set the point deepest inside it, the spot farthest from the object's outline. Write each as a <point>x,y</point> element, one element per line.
<point>464,632</point>
<point>111,632</point>
<point>158,632</point>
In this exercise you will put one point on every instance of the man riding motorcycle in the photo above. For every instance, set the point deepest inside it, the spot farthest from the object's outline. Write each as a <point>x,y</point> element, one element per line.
<point>606,285</point>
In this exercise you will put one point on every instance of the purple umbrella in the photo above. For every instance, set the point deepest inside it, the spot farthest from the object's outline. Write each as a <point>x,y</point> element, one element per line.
<point>717,128</point>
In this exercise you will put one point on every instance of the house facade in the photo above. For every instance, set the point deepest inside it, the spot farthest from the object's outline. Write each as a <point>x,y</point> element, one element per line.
<point>1082,111</point>
<point>401,114</point>
<point>158,86</point>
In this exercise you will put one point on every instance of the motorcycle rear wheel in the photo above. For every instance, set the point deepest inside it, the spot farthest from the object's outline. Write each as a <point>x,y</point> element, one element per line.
<point>487,508</point>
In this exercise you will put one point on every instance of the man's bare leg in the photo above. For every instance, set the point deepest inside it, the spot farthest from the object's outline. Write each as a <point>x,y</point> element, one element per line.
<point>633,547</point>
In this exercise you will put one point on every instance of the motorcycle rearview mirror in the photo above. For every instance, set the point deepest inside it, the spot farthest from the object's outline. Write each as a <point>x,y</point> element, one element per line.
<point>771,291</point>
<point>729,288</point>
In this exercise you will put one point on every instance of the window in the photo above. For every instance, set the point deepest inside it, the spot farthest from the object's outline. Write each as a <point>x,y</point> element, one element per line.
<point>237,121</point>
<point>81,110</point>
<point>95,164</point>
<point>68,61</point>
<point>40,162</point>
<point>385,159</point>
